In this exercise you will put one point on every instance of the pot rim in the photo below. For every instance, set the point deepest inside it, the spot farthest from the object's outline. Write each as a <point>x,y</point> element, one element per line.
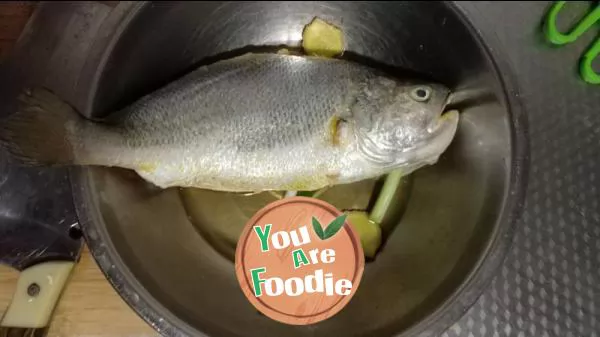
<point>441,318</point>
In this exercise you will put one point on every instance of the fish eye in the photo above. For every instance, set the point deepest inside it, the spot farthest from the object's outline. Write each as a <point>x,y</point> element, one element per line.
<point>421,94</point>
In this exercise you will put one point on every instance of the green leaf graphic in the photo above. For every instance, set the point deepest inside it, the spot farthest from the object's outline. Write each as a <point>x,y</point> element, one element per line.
<point>335,226</point>
<point>318,229</point>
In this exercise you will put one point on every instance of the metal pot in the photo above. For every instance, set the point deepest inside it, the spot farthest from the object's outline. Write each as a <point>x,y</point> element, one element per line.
<point>456,222</point>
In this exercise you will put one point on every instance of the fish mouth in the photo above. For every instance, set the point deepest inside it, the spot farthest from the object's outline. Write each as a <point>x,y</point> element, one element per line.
<point>441,137</point>
<point>436,122</point>
<point>442,131</point>
<point>447,101</point>
<point>446,121</point>
<point>468,97</point>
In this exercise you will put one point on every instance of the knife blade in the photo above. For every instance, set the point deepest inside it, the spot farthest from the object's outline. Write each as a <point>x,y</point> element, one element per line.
<point>39,238</point>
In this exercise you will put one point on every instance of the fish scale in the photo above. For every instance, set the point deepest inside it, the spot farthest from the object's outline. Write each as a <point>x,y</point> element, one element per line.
<point>256,122</point>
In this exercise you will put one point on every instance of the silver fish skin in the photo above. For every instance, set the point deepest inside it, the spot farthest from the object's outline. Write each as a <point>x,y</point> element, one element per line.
<point>255,122</point>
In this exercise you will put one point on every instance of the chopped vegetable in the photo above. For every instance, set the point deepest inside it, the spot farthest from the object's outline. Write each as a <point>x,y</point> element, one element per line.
<point>320,38</point>
<point>390,186</point>
<point>368,231</point>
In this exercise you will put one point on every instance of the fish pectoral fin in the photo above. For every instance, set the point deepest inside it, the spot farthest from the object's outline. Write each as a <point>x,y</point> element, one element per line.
<point>334,129</point>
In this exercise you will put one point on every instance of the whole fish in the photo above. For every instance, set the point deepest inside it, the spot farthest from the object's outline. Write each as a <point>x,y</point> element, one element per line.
<point>252,123</point>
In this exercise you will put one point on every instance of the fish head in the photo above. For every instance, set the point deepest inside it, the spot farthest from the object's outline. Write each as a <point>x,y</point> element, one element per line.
<point>404,124</point>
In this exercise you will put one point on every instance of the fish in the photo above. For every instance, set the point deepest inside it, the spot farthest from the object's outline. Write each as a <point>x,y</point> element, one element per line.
<point>251,123</point>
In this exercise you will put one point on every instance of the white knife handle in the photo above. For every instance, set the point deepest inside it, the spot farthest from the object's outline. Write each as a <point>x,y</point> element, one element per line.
<point>38,289</point>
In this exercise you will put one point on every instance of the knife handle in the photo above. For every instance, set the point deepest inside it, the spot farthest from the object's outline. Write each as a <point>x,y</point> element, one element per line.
<point>38,289</point>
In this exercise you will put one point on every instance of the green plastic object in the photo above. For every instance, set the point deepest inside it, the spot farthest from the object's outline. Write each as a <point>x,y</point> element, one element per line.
<point>585,67</point>
<point>554,36</point>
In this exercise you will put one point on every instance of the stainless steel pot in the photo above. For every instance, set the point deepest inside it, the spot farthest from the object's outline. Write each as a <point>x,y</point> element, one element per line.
<point>457,219</point>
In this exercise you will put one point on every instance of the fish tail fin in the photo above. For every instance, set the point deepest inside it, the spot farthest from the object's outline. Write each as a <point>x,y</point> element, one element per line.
<point>38,133</point>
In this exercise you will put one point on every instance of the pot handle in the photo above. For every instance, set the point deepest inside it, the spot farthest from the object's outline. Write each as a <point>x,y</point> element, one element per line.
<point>39,288</point>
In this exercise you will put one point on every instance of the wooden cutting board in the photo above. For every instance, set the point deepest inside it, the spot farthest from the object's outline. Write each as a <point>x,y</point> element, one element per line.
<point>89,306</point>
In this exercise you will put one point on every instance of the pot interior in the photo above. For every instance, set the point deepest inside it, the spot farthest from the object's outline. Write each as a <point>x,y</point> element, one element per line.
<point>177,244</point>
